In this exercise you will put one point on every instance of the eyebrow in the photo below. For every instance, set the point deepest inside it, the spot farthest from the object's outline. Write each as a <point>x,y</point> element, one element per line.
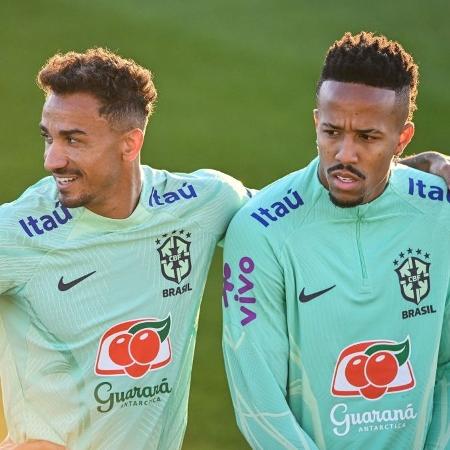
<point>64,132</point>
<point>364,131</point>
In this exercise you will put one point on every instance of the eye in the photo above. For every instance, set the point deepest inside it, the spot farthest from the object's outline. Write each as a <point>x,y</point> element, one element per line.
<point>331,132</point>
<point>71,140</point>
<point>367,137</point>
<point>47,138</point>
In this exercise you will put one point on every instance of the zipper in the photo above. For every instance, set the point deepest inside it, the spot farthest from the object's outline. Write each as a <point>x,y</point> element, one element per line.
<point>362,261</point>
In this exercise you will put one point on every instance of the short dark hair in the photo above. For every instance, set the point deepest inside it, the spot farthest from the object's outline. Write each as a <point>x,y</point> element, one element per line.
<point>124,88</point>
<point>374,61</point>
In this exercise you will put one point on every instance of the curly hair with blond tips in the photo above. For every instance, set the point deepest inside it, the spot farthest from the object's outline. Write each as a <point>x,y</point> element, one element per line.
<point>374,61</point>
<point>124,89</point>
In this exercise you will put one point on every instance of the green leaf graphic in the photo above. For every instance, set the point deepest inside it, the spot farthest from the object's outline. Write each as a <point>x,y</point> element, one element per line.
<point>162,327</point>
<point>400,351</point>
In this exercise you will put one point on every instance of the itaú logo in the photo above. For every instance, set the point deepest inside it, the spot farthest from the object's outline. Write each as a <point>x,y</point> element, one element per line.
<point>34,226</point>
<point>134,348</point>
<point>371,369</point>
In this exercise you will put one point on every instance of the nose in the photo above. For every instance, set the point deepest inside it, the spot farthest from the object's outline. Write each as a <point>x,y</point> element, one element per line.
<point>54,157</point>
<point>347,152</point>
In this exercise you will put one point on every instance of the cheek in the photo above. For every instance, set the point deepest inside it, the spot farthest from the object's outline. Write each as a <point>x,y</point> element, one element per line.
<point>325,148</point>
<point>110,169</point>
<point>379,164</point>
<point>106,160</point>
<point>107,169</point>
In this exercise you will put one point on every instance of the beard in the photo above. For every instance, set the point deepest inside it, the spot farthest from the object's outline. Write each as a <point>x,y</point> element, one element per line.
<point>345,204</point>
<point>74,202</point>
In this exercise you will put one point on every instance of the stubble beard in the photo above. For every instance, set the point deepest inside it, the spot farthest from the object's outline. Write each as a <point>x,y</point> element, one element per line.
<point>345,204</point>
<point>76,202</point>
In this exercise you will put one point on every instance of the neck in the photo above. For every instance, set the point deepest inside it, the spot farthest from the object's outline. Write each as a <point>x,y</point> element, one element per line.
<point>125,198</point>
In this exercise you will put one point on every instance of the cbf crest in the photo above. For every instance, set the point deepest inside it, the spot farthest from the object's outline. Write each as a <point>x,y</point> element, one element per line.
<point>413,273</point>
<point>174,255</point>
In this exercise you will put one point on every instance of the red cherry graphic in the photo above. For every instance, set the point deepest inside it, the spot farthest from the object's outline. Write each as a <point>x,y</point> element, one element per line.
<point>145,345</point>
<point>373,392</point>
<point>137,370</point>
<point>355,373</point>
<point>381,368</point>
<point>118,350</point>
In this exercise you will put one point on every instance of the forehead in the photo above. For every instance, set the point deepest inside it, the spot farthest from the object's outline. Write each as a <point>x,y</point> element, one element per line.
<point>78,109</point>
<point>336,97</point>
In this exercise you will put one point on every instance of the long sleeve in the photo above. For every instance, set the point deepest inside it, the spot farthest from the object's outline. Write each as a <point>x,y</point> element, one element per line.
<point>255,342</point>
<point>438,437</point>
<point>17,262</point>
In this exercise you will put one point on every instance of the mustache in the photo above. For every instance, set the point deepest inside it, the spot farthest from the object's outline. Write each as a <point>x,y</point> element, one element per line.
<point>63,173</point>
<point>348,168</point>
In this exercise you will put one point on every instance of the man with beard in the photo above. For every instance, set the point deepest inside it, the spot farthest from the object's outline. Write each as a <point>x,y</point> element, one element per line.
<point>102,269</point>
<point>336,294</point>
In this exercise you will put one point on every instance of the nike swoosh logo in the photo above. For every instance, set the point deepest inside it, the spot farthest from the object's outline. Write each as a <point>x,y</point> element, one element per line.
<point>66,286</point>
<point>305,298</point>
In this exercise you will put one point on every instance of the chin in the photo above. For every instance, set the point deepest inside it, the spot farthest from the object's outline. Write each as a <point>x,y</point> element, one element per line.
<point>346,203</point>
<point>69,202</point>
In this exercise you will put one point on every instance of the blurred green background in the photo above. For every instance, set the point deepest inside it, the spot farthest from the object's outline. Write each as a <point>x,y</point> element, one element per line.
<point>236,82</point>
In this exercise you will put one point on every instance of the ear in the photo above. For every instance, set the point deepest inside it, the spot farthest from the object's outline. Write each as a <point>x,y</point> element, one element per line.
<point>132,144</point>
<point>406,135</point>
<point>316,117</point>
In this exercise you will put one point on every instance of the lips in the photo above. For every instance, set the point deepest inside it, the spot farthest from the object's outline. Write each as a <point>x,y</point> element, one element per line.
<point>64,181</point>
<point>344,180</point>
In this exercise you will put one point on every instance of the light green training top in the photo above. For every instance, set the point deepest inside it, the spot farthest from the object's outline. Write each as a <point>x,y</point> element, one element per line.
<point>336,320</point>
<point>98,317</point>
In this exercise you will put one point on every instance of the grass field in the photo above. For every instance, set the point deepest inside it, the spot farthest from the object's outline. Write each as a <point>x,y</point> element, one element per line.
<point>236,84</point>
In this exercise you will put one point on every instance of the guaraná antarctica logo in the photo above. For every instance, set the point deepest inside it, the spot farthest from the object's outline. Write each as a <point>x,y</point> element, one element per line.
<point>134,348</point>
<point>413,274</point>
<point>371,369</point>
<point>174,255</point>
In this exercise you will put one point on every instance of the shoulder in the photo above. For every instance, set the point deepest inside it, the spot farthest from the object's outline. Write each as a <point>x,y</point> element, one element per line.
<point>282,203</point>
<point>208,196</point>
<point>165,188</point>
<point>428,193</point>
<point>35,196</point>
<point>36,212</point>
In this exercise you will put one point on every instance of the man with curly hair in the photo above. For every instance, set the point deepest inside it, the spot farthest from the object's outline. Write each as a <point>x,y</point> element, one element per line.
<point>102,269</point>
<point>336,295</point>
